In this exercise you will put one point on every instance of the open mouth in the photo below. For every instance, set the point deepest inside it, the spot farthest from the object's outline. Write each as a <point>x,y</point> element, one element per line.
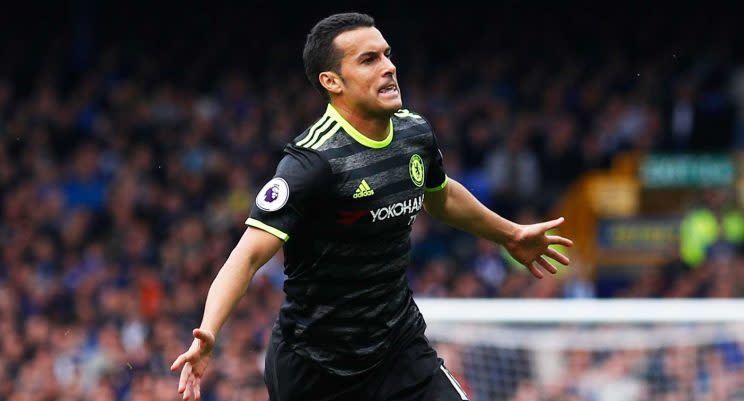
<point>388,89</point>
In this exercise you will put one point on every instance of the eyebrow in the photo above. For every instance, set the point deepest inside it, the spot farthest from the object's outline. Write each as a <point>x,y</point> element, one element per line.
<point>372,53</point>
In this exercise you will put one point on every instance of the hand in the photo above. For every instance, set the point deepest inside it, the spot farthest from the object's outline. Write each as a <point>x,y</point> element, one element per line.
<point>530,246</point>
<point>194,363</point>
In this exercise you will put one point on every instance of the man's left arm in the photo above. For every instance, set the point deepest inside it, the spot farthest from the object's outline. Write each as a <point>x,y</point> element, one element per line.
<point>455,205</point>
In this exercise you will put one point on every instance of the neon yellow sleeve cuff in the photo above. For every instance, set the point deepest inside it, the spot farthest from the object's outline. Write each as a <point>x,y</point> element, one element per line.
<point>440,187</point>
<point>269,229</point>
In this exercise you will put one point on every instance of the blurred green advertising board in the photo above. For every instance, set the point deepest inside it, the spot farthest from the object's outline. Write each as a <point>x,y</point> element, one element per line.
<point>687,170</point>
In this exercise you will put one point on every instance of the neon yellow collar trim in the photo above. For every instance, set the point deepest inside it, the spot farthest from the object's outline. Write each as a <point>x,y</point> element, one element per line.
<point>358,136</point>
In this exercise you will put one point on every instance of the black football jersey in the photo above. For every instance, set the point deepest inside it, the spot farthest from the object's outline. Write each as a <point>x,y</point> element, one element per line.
<point>344,205</point>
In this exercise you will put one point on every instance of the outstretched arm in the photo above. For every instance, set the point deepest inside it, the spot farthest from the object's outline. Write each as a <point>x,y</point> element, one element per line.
<point>528,244</point>
<point>253,250</point>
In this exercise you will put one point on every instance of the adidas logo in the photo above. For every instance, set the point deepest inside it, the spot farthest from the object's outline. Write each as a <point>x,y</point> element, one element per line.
<point>363,190</point>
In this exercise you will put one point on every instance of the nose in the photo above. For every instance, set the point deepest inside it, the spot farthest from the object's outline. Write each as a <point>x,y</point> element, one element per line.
<point>388,67</point>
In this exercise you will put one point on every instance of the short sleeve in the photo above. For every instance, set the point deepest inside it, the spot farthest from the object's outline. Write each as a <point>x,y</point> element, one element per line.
<point>436,178</point>
<point>301,177</point>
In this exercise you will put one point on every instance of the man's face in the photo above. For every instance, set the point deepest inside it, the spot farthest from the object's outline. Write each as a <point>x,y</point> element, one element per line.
<point>368,75</point>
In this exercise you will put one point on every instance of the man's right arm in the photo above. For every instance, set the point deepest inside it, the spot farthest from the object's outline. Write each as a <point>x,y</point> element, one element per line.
<point>254,249</point>
<point>301,176</point>
<point>280,205</point>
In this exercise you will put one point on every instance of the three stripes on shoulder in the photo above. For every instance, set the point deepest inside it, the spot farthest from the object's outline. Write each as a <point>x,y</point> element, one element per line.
<point>319,133</point>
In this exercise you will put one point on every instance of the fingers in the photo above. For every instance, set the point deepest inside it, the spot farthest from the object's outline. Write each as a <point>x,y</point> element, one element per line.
<point>187,356</point>
<point>178,363</point>
<point>192,388</point>
<point>557,256</point>
<point>558,240</point>
<point>185,373</point>
<point>189,390</point>
<point>546,265</point>
<point>551,224</point>
<point>204,335</point>
<point>188,384</point>
<point>535,270</point>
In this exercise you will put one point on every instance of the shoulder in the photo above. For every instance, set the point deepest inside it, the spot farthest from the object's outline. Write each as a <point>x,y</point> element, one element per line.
<point>410,116</point>
<point>304,157</point>
<point>412,124</point>
<point>319,135</point>
<point>303,170</point>
<point>405,118</point>
<point>301,163</point>
<point>306,145</point>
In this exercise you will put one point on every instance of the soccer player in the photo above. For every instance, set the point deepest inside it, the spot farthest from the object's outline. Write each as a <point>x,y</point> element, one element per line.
<point>342,204</point>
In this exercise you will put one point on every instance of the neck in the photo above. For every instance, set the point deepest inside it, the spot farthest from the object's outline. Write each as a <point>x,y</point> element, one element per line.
<point>373,127</point>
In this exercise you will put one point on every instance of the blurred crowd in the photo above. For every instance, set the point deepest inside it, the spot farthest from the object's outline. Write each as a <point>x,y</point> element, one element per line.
<point>125,180</point>
<point>672,372</point>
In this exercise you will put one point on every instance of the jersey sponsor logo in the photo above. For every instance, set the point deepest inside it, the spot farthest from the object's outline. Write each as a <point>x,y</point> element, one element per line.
<point>273,196</point>
<point>416,170</point>
<point>412,205</point>
<point>350,216</point>
<point>363,190</point>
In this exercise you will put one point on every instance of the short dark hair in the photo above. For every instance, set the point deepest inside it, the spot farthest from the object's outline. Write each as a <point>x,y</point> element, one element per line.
<point>319,53</point>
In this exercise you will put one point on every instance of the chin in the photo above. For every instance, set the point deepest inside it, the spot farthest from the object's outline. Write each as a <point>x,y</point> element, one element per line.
<point>392,106</point>
<point>383,108</point>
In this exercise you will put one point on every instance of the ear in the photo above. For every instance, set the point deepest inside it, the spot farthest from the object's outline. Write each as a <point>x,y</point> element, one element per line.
<point>332,82</point>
